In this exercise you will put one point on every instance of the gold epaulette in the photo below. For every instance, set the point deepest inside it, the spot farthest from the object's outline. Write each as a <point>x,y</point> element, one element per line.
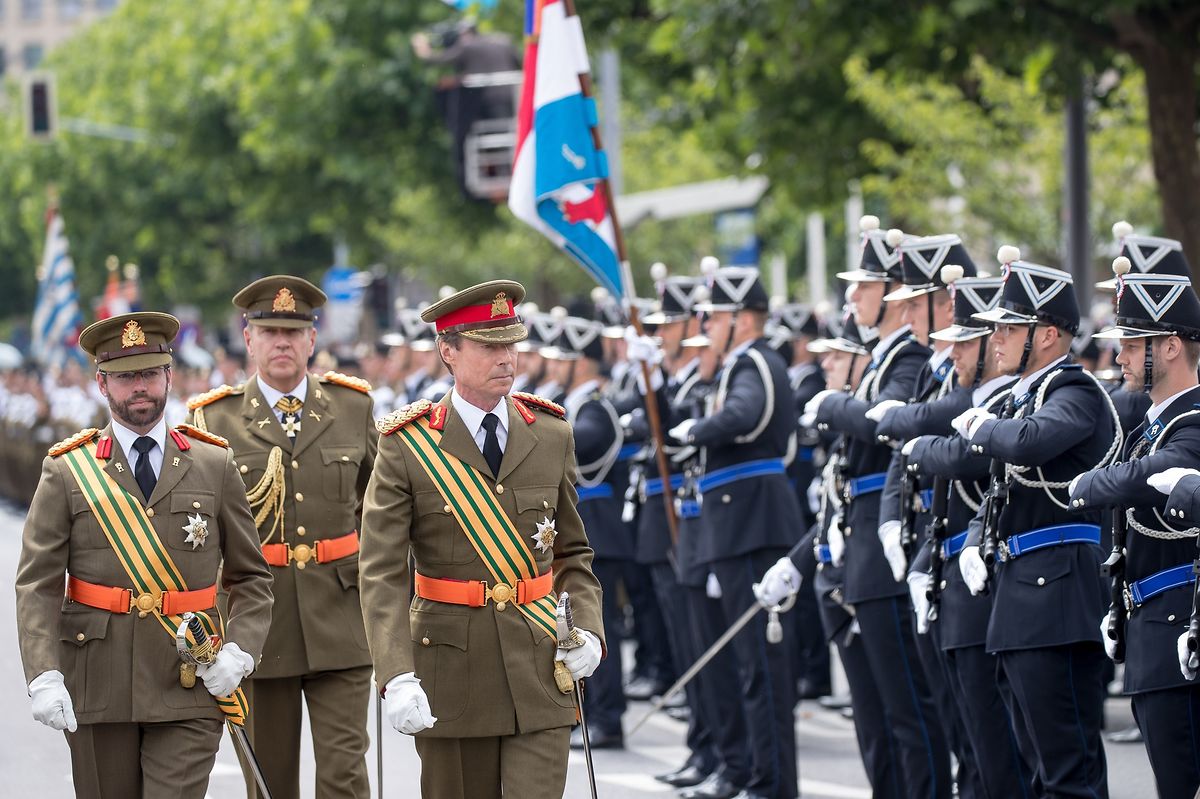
<point>209,397</point>
<point>191,431</point>
<point>541,403</point>
<point>349,381</point>
<point>71,442</point>
<point>402,416</point>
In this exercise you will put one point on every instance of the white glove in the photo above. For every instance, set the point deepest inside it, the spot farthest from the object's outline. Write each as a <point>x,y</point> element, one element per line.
<point>781,581</point>
<point>51,701</point>
<point>967,423</point>
<point>1075,482</point>
<point>880,409</point>
<point>918,585</point>
<point>974,572</point>
<point>889,536</point>
<point>712,587</point>
<point>837,541</point>
<point>642,349</point>
<point>909,446</point>
<point>813,493</point>
<point>1166,481</point>
<point>680,431</point>
<point>808,419</point>
<point>1188,660</point>
<point>406,706</point>
<point>814,404</point>
<point>582,660</point>
<point>225,674</point>
<point>1110,646</point>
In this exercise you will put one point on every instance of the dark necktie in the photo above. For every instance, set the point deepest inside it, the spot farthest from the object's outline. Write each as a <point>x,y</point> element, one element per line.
<point>491,444</point>
<point>291,407</point>
<point>143,472</point>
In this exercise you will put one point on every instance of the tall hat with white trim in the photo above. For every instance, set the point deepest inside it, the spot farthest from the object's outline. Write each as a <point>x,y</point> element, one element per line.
<point>1147,254</point>
<point>735,288</point>
<point>881,261</point>
<point>1033,294</point>
<point>972,295</point>
<point>1152,304</point>
<point>676,296</point>
<point>580,338</point>
<point>922,259</point>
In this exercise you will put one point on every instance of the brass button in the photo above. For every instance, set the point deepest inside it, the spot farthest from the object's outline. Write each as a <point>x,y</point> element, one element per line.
<point>82,637</point>
<point>445,509</point>
<point>295,464</point>
<point>243,468</point>
<point>196,505</point>
<point>300,530</point>
<point>345,457</point>
<point>499,488</point>
<point>150,512</point>
<point>545,504</point>
<point>425,641</point>
<point>1041,581</point>
<point>299,497</point>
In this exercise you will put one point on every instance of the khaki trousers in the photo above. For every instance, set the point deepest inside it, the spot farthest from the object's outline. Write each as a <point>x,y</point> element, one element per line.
<point>532,765</point>
<point>162,760</point>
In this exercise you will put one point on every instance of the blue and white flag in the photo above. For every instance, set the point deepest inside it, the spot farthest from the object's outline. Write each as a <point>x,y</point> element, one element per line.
<point>56,317</point>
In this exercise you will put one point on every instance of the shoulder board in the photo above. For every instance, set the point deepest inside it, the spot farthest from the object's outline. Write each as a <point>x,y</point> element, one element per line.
<point>72,442</point>
<point>349,381</point>
<point>191,431</point>
<point>209,397</point>
<point>402,416</point>
<point>541,403</point>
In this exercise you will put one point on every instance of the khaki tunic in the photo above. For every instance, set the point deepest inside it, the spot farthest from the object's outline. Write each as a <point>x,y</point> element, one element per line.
<point>317,623</point>
<point>487,672</point>
<point>119,667</point>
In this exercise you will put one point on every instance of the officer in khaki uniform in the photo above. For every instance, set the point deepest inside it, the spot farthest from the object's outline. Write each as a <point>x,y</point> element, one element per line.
<point>477,488</point>
<point>102,662</point>
<point>304,446</point>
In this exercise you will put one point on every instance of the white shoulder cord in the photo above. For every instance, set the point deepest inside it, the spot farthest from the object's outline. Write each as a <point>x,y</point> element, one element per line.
<point>769,387</point>
<point>606,461</point>
<point>1168,534</point>
<point>996,399</point>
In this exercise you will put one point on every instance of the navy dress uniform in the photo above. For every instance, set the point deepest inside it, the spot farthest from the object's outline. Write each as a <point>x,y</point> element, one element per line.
<point>746,500</point>
<point>1047,593</point>
<point>1157,581</point>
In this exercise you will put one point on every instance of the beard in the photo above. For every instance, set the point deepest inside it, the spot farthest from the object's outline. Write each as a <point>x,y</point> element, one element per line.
<point>138,417</point>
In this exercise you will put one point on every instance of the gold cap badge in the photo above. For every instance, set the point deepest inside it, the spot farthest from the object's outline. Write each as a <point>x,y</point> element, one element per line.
<point>132,335</point>
<point>500,305</point>
<point>284,301</point>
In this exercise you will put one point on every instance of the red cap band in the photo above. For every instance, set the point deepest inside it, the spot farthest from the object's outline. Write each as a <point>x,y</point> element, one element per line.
<point>473,314</point>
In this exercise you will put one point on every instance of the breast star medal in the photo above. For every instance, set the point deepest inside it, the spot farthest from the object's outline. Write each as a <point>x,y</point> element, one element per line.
<point>197,530</point>
<point>545,535</point>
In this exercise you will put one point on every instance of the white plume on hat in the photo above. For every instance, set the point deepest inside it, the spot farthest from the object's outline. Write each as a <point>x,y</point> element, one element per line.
<point>894,237</point>
<point>951,273</point>
<point>1121,265</point>
<point>868,222</point>
<point>1008,254</point>
<point>658,271</point>
<point>1121,229</point>
<point>709,264</point>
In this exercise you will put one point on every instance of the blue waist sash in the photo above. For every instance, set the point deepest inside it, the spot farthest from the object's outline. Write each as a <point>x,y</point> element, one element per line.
<point>654,486</point>
<point>867,484</point>
<point>688,509</point>
<point>741,471</point>
<point>954,545</point>
<point>1023,543</point>
<point>1149,587</point>
<point>628,451</point>
<point>602,491</point>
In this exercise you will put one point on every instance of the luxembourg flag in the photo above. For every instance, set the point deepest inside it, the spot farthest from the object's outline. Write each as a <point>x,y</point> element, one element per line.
<point>557,182</point>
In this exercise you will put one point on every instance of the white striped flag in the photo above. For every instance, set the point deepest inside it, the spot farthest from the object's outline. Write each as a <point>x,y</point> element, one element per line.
<point>56,317</point>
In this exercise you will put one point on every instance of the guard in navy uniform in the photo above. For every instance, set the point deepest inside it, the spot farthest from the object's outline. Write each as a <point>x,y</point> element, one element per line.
<point>746,502</point>
<point>957,621</point>
<point>598,440</point>
<point>1158,325</point>
<point>873,585</point>
<point>1058,422</point>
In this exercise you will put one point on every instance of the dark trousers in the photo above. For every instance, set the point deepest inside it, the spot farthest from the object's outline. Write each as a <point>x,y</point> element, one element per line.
<point>652,658</point>
<point>1002,771</point>
<point>876,745</point>
<point>720,705</point>
<point>169,758</point>
<point>605,695</point>
<point>532,765</point>
<point>809,647</point>
<point>929,651</point>
<point>1170,724</point>
<point>887,635</point>
<point>675,606</point>
<point>1058,694</point>
<point>765,672</point>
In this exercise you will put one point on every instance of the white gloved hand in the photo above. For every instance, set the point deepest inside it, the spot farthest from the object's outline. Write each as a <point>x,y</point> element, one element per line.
<point>1165,482</point>
<point>909,446</point>
<point>582,660</point>
<point>406,706</point>
<point>918,586</point>
<point>881,408</point>
<point>967,423</point>
<point>973,570</point>
<point>225,674</point>
<point>1073,484</point>
<point>1110,646</point>
<point>837,541</point>
<point>808,420</point>
<point>814,404</point>
<point>1188,660</point>
<point>781,581</point>
<point>889,536</point>
<point>642,349</point>
<point>813,494</point>
<point>680,431</point>
<point>712,587</point>
<point>51,702</point>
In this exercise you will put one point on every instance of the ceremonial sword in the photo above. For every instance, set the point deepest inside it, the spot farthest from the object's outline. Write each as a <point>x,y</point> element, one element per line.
<point>569,638</point>
<point>202,654</point>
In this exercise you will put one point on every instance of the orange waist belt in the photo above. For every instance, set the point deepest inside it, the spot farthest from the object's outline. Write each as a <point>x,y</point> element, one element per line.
<point>476,593</point>
<point>123,600</point>
<point>322,551</point>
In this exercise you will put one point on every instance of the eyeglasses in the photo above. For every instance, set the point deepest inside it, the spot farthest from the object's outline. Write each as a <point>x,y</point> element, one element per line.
<point>147,376</point>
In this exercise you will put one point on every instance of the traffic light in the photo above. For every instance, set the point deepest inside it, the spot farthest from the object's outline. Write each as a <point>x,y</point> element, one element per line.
<point>41,109</point>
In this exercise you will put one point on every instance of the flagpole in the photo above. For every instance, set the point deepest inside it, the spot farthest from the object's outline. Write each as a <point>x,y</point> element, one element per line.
<point>651,396</point>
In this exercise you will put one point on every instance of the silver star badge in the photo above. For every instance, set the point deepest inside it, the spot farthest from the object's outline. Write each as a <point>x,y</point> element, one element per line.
<point>544,537</point>
<point>197,531</point>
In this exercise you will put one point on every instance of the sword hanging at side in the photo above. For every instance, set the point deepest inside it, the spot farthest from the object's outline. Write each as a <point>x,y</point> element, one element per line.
<point>569,638</point>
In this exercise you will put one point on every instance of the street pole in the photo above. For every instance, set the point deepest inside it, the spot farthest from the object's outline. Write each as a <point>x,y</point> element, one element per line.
<point>1076,229</point>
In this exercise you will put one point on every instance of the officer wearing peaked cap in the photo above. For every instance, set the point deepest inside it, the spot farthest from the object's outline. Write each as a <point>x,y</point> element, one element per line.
<point>478,490</point>
<point>304,445</point>
<point>1050,665</point>
<point>1158,325</point>
<point>745,489</point>
<point>97,616</point>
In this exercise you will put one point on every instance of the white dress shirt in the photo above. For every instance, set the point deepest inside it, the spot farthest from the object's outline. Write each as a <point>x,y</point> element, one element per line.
<point>1023,385</point>
<point>880,349</point>
<point>473,418</point>
<point>1157,409</point>
<point>125,437</point>
<point>272,395</point>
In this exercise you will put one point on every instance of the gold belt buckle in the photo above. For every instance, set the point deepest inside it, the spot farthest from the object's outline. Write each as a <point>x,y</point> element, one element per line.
<point>500,593</point>
<point>144,603</point>
<point>302,554</point>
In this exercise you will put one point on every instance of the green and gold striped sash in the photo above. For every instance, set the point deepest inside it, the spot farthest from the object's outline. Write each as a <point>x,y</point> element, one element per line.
<point>496,540</point>
<point>140,551</point>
